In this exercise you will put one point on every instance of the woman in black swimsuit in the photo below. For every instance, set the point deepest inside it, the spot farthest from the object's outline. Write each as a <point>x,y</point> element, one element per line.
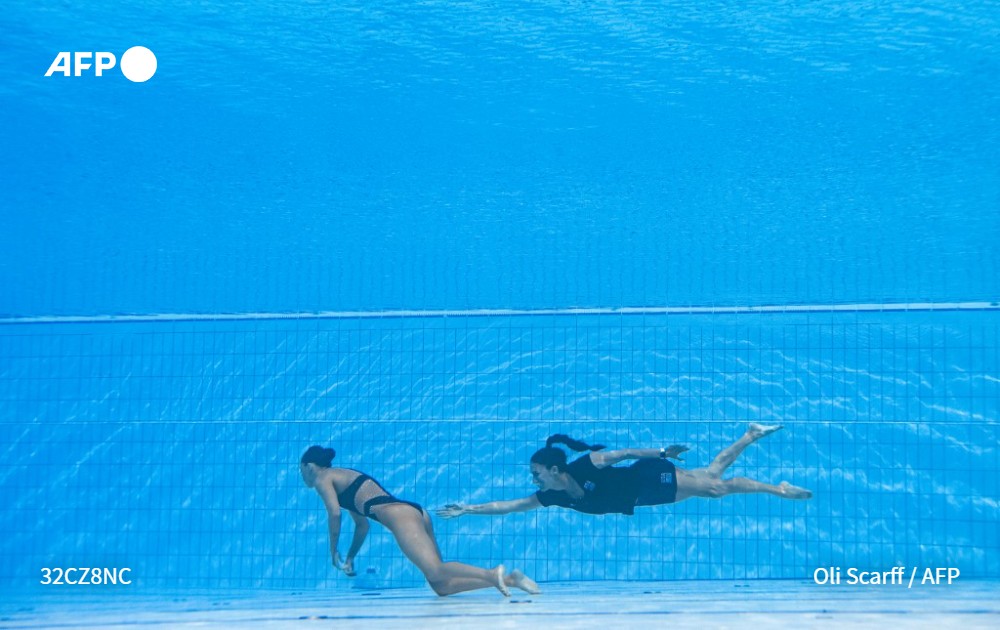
<point>365,498</point>
<point>592,483</point>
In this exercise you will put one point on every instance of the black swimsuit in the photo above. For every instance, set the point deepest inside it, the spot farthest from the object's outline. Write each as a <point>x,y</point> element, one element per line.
<point>362,497</point>
<point>613,489</point>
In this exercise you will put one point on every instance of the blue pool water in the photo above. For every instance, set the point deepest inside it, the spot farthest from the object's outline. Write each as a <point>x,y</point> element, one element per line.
<point>433,234</point>
<point>370,155</point>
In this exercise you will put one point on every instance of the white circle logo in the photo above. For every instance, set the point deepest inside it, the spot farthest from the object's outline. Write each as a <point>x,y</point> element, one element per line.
<point>138,64</point>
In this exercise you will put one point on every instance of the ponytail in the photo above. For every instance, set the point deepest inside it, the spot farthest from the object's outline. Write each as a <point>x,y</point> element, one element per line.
<point>576,445</point>
<point>551,456</point>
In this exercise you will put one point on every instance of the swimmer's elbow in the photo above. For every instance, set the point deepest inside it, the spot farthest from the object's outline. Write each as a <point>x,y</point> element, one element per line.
<point>528,503</point>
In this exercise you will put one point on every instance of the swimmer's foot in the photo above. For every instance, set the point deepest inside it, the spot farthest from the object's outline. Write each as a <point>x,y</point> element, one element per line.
<point>757,431</point>
<point>788,491</point>
<point>519,580</point>
<point>501,583</point>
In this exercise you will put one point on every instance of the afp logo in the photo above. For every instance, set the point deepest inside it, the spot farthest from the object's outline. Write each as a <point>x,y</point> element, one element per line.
<point>138,64</point>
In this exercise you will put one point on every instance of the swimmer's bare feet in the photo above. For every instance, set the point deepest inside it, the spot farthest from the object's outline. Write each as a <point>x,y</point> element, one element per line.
<point>520,580</point>
<point>757,431</point>
<point>789,491</point>
<point>501,583</point>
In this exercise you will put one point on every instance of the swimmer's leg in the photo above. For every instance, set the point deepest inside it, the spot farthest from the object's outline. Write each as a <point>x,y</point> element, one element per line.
<point>430,532</point>
<point>785,490</point>
<point>697,483</point>
<point>446,578</point>
<point>518,579</point>
<point>728,455</point>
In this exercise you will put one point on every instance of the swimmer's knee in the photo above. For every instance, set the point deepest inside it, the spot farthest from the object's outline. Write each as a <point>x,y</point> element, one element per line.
<point>716,489</point>
<point>439,584</point>
<point>435,577</point>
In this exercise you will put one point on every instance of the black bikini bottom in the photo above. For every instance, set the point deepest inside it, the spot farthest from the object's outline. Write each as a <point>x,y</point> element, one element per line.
<point>386,499</point>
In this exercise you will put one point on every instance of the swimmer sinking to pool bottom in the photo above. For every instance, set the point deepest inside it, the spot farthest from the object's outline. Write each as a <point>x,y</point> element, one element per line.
<point>364,498</point>
<point>593,485</point>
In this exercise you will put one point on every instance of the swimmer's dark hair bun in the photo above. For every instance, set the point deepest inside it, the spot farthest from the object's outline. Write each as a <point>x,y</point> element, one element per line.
<point>319,455</point>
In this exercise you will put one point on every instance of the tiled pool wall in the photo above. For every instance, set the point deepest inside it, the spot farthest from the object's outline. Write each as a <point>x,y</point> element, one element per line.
<point>171,447</point>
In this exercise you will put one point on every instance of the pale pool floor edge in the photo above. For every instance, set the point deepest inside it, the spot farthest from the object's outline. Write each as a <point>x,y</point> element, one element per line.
<point>681,604</point>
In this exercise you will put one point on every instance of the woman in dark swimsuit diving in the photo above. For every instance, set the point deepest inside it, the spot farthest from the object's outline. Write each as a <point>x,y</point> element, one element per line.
<point>364,498</point>
<point>592,483</point>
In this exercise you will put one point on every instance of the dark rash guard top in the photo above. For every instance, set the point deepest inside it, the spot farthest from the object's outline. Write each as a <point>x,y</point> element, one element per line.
<point>605,490</point>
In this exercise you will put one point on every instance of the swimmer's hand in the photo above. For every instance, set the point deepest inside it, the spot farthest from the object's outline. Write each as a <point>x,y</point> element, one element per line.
<point>452,510</point>
<point>674,452</point>
<point>347,566</point>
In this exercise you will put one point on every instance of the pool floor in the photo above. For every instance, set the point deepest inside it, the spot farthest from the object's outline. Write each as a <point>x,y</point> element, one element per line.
<point>682,604</point>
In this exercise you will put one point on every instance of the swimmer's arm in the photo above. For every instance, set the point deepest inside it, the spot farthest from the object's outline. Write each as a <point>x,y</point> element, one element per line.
<point>361,528</point>
<point>610,458</point>
<point>454,510</point>
<point>329,496</point>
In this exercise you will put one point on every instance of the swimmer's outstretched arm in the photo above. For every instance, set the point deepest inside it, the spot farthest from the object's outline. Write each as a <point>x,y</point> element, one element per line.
<point>329,496</point>
<point>454,510</point>
<point>361,528</point>
<point>610,458</point>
